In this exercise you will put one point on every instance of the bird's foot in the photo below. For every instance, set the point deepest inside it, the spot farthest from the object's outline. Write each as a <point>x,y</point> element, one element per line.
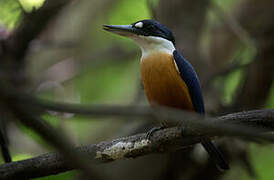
<point>153,130</point>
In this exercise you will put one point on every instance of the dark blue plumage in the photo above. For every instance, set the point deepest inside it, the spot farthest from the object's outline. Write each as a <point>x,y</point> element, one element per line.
<point>154,28</point>
<point>190,77</point>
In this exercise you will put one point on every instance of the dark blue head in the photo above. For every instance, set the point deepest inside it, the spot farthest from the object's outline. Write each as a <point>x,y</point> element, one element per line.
<point>150,27</point>
<point>146,27</point>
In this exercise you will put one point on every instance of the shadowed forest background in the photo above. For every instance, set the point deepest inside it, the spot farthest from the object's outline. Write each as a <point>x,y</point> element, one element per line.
<point>71,59</point>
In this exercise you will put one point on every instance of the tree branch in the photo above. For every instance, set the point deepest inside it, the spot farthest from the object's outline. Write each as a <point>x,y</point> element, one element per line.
<point>162,141</point>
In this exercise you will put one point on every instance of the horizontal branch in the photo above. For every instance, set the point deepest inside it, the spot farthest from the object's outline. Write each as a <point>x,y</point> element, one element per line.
<point>166,140</point>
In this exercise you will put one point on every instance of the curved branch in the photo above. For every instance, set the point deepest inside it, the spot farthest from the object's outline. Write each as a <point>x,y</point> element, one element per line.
<point>162,141</point>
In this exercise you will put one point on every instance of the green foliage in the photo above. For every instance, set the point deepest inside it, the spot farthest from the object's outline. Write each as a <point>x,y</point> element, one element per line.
<point>270,102</point>
<point>66,176</point>
<point>231,83</point>
<point>116,82</point>
<point>9,12</point>
<point>124,12</point>
<point>261,159</point>
<point>19,157</point>
<point>29,5</point>
<point>127,12</point>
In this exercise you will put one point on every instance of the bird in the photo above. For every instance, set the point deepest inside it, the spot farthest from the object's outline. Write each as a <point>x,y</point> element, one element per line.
<point>167,76</point>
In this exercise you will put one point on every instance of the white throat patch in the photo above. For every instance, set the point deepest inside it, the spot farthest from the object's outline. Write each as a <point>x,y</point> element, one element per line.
<point>139,25</point>
<point>152,44</point>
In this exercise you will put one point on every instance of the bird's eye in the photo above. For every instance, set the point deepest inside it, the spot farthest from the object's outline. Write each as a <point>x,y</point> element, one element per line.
<point>139,25</point>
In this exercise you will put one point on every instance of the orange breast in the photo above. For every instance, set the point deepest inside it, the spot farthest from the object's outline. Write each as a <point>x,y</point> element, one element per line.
<point>163,84</point>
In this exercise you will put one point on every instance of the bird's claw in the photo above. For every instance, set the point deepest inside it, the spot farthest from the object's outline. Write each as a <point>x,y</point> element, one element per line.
<point>153,130</point>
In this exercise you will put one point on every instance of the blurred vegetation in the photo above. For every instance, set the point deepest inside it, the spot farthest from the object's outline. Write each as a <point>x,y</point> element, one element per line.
<point>112,82</point>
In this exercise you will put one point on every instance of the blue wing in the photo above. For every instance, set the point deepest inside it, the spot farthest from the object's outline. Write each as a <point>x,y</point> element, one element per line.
<point>190,77</point>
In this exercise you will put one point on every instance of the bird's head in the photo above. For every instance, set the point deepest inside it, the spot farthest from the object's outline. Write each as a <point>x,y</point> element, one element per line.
<point>150,35</point>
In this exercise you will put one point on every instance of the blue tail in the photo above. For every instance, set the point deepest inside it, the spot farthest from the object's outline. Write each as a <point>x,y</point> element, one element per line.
<point>215,154</point>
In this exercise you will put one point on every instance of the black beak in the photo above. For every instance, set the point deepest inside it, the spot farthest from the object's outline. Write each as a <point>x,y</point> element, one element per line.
<point>124,30</point>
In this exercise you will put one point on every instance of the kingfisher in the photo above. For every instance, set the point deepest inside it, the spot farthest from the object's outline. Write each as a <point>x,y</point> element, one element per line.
<point>168,78</point>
